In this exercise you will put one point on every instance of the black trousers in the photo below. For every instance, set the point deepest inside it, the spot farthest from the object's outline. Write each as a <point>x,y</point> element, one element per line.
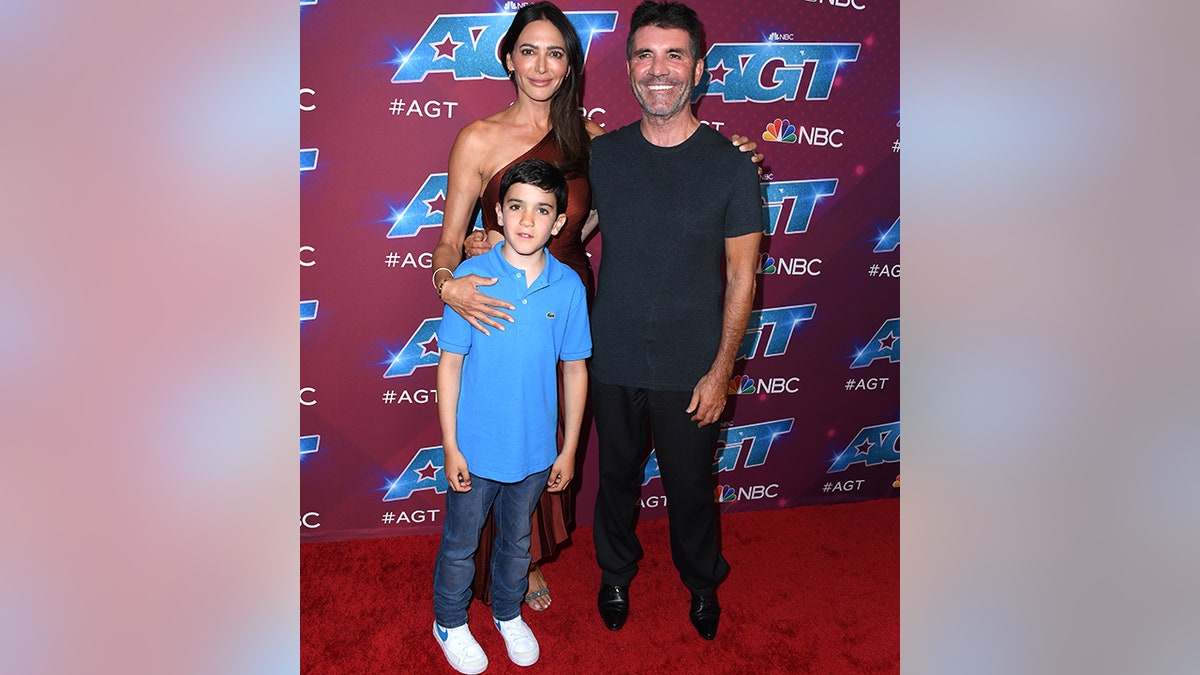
<point>685,455</point>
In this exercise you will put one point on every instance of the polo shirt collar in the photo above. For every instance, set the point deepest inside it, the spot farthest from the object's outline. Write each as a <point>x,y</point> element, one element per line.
<point>501,268</point>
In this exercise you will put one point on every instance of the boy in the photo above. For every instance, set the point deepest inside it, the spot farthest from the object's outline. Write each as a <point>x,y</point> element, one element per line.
<point>497,404</point>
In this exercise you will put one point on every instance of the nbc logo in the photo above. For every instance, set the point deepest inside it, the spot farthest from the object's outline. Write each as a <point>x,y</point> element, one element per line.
<point>727,493</point>
<point>780,131</point>
<point>743,384</point>
<point>740,385</point>
<point>766,264</point>
<point>783,131</point>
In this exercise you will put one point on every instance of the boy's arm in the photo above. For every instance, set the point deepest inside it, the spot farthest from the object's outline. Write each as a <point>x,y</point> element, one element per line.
<point>449,377</point>
<point>574,395</point>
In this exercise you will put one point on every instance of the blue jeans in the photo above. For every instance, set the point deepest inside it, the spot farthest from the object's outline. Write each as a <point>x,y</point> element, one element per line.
<point>455,567</point>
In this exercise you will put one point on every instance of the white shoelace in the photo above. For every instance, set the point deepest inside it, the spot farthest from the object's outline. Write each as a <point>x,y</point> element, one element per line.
<point>461,641</point>
<point>517,634</point>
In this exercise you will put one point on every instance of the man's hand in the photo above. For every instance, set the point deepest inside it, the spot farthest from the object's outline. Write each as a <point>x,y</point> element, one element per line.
<point>708,399</point>
<point>463,296</point>
<point>744,144</point>
<point>476,243</point>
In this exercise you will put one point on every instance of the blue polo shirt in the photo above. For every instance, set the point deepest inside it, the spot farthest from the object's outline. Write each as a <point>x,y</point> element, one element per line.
<point>508,397</point>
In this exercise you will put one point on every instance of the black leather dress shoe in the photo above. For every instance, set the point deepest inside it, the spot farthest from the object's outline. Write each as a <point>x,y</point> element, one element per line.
<point>613,603</point>
<point>705,614</point>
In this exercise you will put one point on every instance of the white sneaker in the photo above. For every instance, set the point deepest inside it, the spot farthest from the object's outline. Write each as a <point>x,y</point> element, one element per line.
<point>461,650</point>
<point>522,646</point>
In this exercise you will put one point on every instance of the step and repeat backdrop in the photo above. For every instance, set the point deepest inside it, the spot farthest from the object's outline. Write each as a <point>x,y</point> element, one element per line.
<point>386,85</point>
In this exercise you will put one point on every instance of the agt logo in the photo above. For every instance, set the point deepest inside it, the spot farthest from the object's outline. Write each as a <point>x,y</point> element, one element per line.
<point>889,241</point>
<point>742,385</point>
<point>425,471</point>
<point>421,350</point>
<point>783,131</point>
<point>885,344</point>
<point>780,322</point>
<point>467,45</point>
<point>872,445</point>
<point>727,493</point>
<point>425,210</point>
<point>791,203</point>
<point>308,158</point>
<point>755,439</point>
<point>765,72</point>
<point>309,445</point>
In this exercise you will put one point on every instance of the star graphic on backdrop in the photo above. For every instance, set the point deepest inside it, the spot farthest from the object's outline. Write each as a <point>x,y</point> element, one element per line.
<point>437,204</point>
<point>719,72</point>
<point>445,47</point>
<point>428,471</point>
<point>430,346</point>
<point>863,448</point>
<point>887,342</point>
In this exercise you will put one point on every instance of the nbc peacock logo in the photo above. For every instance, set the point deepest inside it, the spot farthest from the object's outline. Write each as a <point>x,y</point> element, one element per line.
<point>780,131</point>
<point>766,264</point>
<point>725,493</point>
<point>740,385</point>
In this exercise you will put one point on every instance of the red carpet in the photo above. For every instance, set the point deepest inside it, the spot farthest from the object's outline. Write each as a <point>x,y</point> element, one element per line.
<point>813,589</point>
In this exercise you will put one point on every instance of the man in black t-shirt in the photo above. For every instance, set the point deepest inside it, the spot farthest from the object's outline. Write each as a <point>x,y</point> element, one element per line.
<point>678,204</point>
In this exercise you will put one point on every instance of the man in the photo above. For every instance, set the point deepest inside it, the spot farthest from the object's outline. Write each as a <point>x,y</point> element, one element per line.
<point>676,203</point>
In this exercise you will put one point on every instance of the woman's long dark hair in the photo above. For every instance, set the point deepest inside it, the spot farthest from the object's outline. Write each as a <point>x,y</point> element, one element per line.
<point>570,134</point>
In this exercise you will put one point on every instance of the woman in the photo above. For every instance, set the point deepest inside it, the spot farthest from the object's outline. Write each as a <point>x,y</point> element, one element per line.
<point>544,59</point>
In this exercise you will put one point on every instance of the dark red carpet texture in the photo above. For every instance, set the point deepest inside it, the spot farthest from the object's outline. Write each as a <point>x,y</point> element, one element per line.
<point>813,589</point>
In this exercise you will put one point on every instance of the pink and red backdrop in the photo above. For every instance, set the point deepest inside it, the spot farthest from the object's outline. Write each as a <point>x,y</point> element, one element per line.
<point>385,87</point>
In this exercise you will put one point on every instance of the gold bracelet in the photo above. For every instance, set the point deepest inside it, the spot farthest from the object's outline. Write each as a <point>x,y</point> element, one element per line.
<point>438,287</point>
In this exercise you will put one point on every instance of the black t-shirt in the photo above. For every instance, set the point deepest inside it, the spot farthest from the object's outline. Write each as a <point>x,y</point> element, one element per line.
<point>664,216</point>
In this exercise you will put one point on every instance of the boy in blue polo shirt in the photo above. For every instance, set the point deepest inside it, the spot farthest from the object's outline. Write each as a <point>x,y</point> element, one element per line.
<point>498,408</point>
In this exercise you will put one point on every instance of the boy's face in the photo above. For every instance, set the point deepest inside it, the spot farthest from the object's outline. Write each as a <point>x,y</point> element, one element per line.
<point>529,217</point>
